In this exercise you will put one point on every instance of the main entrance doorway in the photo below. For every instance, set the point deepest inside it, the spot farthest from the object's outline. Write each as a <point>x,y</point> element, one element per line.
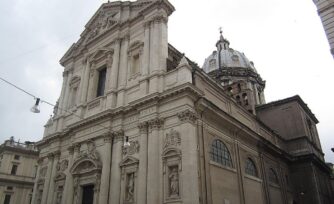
<point>88,194</point>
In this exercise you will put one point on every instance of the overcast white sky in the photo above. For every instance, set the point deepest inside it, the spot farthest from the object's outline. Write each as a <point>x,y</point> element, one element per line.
<point>284,38</point>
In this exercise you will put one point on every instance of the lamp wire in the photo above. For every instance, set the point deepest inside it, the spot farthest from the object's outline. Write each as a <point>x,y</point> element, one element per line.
<point>44,101</point>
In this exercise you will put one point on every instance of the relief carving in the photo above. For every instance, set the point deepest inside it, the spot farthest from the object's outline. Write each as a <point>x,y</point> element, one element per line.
<point>173,179</point>
<point>132,149</point>
<point>91,152</point>
<point>130,188</point>
<point>172,139</point>
<point>62,165</point>
<point>102,24</point>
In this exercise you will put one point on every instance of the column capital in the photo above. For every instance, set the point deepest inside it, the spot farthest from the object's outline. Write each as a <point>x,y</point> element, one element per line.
<point>156,123</point>
<point>57,154</point>
<point>187,116</point>
<point>143,127</point>
<point>40,161</point>
<point>76,147</point>
<point>50,156</point>
<point>118,135</point>
<point>107,137</point>
<point>70,149</point>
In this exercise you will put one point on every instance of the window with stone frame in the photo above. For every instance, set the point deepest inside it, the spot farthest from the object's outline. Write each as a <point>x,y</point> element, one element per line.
<point>134,57</point>
<point>220,153</point>
<point>74,86</point>
<point>273,178</point>
<point>14,169</point>
<point>129,174</point>
<point>101,81</point>
<point>7,199</point>
<point>135,64</point>
<point>172,168</point>
<point>250,168</point>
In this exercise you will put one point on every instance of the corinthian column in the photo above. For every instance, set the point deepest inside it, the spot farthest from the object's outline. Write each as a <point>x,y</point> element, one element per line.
<point>53,173</point>
<point>115,179</point>
<point>142,178</point>
<point>113,77</point>
<point>48,178</point>
<point>123,71</point>
<point>39,162</point>
<point>190,163</point>
<point>153,179</point>
<point>106,158</point>
<point>84,83</point>
<point>69,186</point>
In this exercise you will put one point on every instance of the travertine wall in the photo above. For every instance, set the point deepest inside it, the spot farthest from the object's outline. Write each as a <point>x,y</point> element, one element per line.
<point>326,13</point>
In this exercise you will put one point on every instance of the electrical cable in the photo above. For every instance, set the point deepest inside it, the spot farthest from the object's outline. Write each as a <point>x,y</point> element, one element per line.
<point>44,101</point>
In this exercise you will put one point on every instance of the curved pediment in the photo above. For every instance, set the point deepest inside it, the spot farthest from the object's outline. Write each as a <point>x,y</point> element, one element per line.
<point>171,152</point>
<point>127,161</point>
<point>85,165</point>
<point>60,176</point>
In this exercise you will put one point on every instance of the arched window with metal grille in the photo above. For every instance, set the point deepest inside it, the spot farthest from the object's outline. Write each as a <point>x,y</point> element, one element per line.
<point>273,176</point>
<point>250,168</point>
<point>220,153</point>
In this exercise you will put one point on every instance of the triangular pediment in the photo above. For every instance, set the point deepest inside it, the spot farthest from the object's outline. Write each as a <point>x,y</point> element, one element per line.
<point>129,161</point>
<point>110,17</point>
<point>99,54</point>
<point>106,18</point>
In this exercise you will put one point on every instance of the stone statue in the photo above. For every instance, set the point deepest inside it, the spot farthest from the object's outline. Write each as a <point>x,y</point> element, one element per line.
<point>173,182</point>
<point>59,196</point>
<point>55,108</point>
<point>130,188</point>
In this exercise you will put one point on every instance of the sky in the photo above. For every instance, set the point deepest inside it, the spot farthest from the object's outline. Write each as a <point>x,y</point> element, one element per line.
<point>285,40</point>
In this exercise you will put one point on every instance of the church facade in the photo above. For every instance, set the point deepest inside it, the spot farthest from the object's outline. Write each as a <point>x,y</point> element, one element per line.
<point>326,13</point>
<point>137,122</point>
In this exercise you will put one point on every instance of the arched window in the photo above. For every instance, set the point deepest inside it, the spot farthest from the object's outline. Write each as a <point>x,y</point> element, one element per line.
<point>273,176</point>
<point>220,153</point>
<point>250,168</point>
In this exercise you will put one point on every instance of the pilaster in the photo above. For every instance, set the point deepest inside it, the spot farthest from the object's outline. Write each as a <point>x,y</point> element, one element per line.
<point>48,178</point>
<point>84,82</point>
<point>106,159</point>
<point>112,87</point>
<point>67,92</point>
<point>123,71</point>
<point>190,163</point>
<point>115,178</point>
<point>69,186</point>
<point>39,162</point>
<point>53,173</point>
<point>153,178</point>
<point>142,178</point>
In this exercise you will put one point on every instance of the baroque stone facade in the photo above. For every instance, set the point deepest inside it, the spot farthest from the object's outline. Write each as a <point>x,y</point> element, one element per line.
<point>326,13</point>
<point>137,122</point>
<point>18,168</point>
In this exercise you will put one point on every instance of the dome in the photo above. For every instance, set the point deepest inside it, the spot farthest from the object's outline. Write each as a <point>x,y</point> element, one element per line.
<point>229,58</point>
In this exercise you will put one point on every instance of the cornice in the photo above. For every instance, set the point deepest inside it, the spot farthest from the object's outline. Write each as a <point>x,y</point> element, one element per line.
<point>133,106</point>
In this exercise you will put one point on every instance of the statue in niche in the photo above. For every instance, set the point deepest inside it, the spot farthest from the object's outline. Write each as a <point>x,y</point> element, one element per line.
<point>130,187</point>
<point>55,108</point>
<point>173,178</point>
<point>59,196</point>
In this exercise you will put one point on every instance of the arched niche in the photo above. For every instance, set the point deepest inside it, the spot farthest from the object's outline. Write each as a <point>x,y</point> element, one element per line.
<point>129,168</point>
<point>86,171</point>
<point>172,168</point>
